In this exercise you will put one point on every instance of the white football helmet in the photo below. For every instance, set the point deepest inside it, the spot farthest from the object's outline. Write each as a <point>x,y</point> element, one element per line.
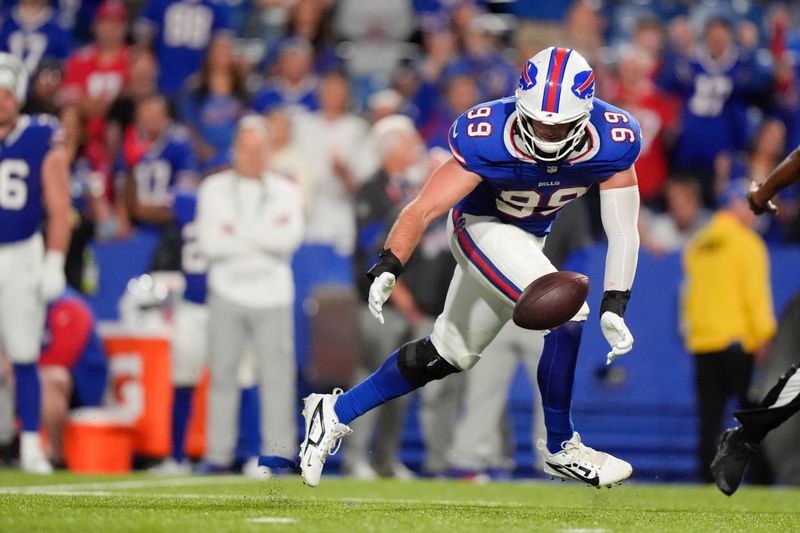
<point>14,76</point>
<point>556,88</point>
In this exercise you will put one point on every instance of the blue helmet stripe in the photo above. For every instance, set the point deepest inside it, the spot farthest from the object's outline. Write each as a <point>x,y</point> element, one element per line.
<point>561,77</point>
<point>547,78</point>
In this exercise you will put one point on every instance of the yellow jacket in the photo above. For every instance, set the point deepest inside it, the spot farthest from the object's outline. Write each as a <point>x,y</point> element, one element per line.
<point>728,296</point>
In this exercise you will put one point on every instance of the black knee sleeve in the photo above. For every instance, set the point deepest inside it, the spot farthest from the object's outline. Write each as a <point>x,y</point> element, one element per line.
<point>420,363</point>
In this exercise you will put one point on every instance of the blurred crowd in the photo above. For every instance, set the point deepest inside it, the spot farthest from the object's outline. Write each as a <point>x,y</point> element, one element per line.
<point>713,85</point>
<point>358,98</point>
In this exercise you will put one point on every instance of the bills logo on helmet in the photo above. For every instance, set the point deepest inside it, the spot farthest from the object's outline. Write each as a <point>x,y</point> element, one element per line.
<point>528,78</point>
<point>583,87</point>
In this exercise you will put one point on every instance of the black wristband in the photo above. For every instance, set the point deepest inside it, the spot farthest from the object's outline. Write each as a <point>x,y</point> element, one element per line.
<point>615,301</point>
<point>387,262</point>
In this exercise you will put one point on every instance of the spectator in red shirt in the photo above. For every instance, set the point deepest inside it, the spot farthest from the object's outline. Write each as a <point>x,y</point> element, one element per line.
<point>96,74</point>
<point>657,113</point>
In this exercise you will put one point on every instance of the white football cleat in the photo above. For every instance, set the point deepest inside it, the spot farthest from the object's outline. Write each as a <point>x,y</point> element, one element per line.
<point>323,433</point>
<point>31,455</point>
<point>252,470</point>
<point>581,463</point>
<point>170,467</point>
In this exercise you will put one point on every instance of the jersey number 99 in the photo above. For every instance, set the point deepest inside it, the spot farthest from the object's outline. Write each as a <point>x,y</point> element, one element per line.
<point>524,204</point>
<point>479,129</point>
<point>13,187</point>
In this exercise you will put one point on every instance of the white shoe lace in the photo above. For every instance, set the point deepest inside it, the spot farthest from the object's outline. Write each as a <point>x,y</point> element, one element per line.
<point>579,452</point>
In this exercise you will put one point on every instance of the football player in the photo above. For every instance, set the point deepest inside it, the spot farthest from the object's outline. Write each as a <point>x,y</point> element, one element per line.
<point>737,445</point>
<point>34,179</point>
<point>516,162</point>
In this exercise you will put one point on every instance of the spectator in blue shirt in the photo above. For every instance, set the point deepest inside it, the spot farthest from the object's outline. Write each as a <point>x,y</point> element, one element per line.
<point>294,84</point>
<point>180,32</point>
<point>216,99</point>
<point>31,32</point>
<point>717,82</point>
<point>483,58</point>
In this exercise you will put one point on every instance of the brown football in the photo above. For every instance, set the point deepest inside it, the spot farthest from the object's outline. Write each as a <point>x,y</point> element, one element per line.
<point>551,300</point>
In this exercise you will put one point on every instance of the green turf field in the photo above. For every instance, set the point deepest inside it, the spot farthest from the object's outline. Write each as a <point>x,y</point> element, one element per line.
<point>66,502</point>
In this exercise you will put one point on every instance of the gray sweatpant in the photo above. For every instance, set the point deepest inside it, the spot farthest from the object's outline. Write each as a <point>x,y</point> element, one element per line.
<point>384,424</point>
<point>270,332</point>
<point>7,428</point>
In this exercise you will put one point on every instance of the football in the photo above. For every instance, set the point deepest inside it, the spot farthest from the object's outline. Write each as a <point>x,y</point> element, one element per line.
<point>551,300</point>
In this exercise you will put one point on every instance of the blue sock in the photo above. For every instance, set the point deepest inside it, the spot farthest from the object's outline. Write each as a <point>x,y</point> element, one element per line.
<point>249,443</point>
<point>555,376</point>
<point>386,383</point>
<point>28,395</point>
<point>181,409</point>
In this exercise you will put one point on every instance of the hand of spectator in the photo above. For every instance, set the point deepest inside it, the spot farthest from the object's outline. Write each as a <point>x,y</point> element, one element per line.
<point>759,204</point>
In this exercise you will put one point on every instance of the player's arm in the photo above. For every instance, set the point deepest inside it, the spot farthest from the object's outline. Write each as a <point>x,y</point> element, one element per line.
<point>619,209</point>
<point>55,193</point>
<point>785,174</point>
<point>447,185</point>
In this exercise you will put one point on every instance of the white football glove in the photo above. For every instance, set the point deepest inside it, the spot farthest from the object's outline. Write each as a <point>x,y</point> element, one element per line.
<point>379,292</point>
<point>617,334</point>
<point>53,278</point>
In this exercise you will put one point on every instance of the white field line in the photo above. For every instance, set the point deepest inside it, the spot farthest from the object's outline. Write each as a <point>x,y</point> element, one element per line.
<point>122,485</point>
<point>271,520</point>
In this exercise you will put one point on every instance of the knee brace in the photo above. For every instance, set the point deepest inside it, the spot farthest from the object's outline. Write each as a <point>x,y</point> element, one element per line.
<point>420,363</point>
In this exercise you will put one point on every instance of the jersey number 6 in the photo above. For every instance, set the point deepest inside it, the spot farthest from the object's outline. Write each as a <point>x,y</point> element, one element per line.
<point>13,188</point>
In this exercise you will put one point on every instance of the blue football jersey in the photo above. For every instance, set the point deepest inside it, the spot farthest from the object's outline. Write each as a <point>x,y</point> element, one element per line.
<point>22,153</point>
<point>32,43</point>
<point>183,30</point>
<point>166,164</point>
<point>194,264</point>
<point>526,193</point>
<point>716,97</point>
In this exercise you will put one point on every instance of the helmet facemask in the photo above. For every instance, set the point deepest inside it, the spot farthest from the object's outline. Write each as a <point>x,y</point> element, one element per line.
<point>543,147</point>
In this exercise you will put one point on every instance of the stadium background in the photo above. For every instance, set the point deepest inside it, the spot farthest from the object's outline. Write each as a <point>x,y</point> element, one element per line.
<point>645,410</point>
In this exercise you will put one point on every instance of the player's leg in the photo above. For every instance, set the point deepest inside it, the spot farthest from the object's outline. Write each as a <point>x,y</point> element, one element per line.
<point>470,320</point>
<point>738,444</point>
<point>227,337</point>
<point>507,259</point>
<point>21,328</point>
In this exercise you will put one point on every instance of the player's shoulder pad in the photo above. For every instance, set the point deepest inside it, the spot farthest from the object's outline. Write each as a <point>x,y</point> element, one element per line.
<point>620,135</point>
<point>476,137</point>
